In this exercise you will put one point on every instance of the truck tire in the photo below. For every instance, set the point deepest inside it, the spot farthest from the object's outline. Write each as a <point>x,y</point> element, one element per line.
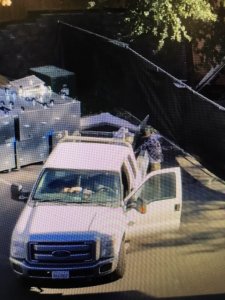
<point>121,266</point>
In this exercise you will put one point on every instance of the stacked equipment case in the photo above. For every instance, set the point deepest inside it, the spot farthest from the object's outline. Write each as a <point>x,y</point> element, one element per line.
<point>30,115</point>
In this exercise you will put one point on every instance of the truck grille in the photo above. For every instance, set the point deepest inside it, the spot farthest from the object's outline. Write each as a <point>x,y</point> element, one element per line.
<point>62,253</point>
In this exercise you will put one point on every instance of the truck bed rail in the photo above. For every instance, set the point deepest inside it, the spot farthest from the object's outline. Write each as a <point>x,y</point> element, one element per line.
<point>77,138</point>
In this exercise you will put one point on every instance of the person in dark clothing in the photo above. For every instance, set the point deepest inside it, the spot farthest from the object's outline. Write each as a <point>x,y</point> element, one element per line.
<point>149,141</point>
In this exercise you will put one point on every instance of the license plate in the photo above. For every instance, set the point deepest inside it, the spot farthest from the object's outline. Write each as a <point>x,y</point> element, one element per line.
<point>60,275</point>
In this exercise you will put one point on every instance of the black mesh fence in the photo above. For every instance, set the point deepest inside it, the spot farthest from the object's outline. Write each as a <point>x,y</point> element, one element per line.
<point>111,75</point>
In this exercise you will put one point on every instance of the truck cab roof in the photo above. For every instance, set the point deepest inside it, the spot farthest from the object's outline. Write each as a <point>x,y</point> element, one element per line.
<point>88,156</point>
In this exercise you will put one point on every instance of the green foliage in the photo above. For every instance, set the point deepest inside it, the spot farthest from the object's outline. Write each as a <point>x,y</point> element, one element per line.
<point>167,19</point>
<point>164,18</point>
<point>177,20</point>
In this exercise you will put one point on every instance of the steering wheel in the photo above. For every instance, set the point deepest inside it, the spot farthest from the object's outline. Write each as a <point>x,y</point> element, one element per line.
<point>107,189</point>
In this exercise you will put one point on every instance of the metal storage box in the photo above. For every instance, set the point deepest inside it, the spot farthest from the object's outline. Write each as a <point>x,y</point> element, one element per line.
<point>31,151</point>
<point>56,77</point>
<point>33,123</point>
<point>7,157</point>
<point>7,130</point>
<point>65,117</point>
<point>29,84</point>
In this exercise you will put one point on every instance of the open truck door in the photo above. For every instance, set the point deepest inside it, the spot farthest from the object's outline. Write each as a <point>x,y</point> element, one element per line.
<point>161,196</point>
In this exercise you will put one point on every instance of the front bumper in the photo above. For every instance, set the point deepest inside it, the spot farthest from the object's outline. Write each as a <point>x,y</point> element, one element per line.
<point>94,270</point>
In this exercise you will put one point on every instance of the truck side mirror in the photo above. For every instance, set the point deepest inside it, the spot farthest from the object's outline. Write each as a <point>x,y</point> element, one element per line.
<point>138,204</point>
<point>17,193</point>
<point>16,190</point>
<point>131,203</point>
<point>141,206</point>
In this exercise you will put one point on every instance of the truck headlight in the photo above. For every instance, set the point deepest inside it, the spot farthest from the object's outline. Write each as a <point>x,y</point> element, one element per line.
<point>17,249</point>
<point>108,247</point>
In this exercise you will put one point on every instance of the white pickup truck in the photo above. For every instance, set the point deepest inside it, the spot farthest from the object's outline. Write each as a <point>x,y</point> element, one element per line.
<point>87,202</point>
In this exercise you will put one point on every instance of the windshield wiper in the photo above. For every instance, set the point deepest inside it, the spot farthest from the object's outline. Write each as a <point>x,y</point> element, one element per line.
<point>38,200</point>
<point>50,200</point>
<point>106,203</point>
<point>82,202</point>
<point>90,203</point>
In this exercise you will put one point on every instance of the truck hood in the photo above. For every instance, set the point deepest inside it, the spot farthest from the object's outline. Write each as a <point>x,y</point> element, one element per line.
<point>56,222</point>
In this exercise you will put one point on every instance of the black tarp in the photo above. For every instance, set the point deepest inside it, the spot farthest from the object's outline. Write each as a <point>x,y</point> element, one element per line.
<point>112,75</point>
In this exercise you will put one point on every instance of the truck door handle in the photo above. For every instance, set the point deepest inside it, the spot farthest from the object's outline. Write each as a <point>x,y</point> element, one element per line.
<point>177,207</point>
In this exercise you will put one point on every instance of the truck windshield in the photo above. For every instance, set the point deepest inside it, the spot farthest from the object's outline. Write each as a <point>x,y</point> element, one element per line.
<point>73,186</point>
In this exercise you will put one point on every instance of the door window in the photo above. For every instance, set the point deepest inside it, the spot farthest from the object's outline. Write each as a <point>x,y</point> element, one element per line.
<point>159,187</point>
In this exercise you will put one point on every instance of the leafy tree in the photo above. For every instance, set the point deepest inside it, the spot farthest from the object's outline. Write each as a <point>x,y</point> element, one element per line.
<point>5,2</point>
<point>208,38</point>
<point>178,20</point>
